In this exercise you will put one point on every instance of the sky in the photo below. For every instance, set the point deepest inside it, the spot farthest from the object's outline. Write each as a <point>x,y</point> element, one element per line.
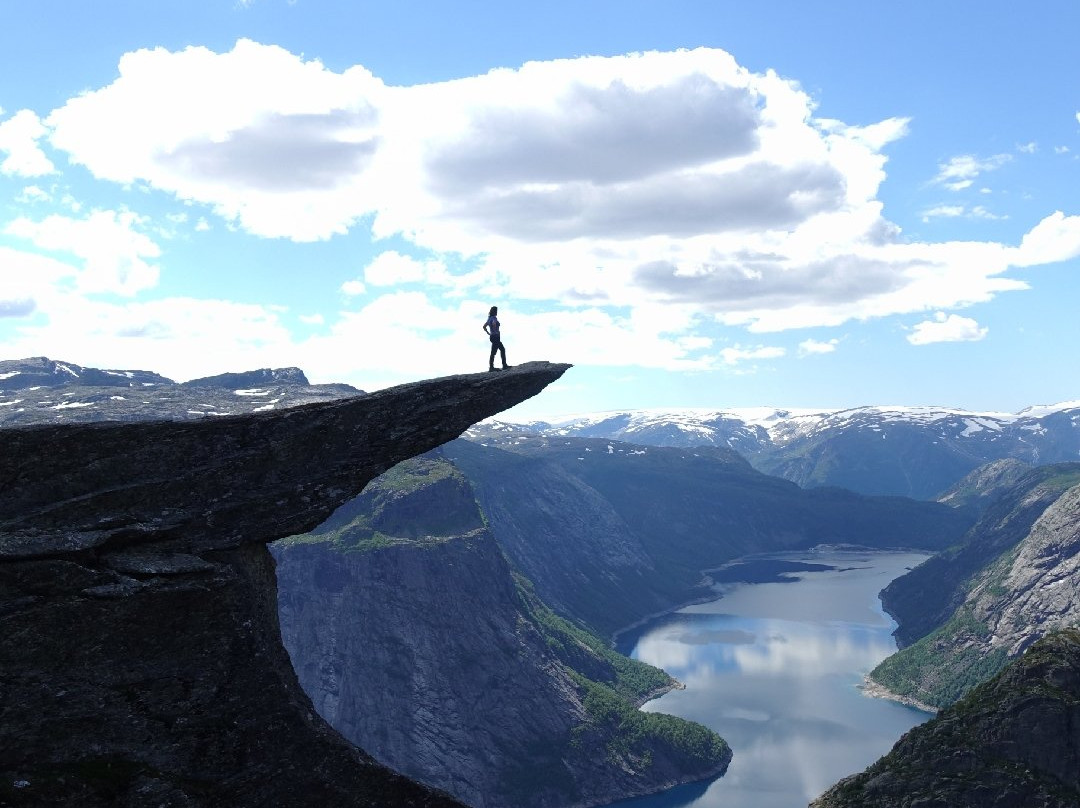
<point>797,203</point>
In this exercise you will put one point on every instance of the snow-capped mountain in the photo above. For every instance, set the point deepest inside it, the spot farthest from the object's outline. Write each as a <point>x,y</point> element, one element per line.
<point>912,451</point>
<point>42,390</point>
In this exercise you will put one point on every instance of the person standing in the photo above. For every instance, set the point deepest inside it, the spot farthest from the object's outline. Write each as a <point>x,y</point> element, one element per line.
<point>491,328</point>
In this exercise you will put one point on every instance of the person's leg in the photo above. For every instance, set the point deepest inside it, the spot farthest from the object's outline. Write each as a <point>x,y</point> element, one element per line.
<point>502,353</point>
<point>495,344</point>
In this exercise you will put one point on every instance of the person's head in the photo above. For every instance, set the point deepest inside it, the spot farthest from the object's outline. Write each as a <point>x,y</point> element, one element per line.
<point>494,311</point>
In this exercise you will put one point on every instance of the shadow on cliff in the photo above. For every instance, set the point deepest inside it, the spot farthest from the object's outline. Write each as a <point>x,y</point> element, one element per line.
<point>140,655</point>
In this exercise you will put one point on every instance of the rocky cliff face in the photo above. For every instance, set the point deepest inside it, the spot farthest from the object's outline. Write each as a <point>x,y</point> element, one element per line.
<point>646,520</point>
<point>417,641</point>
<point>1013,742</point>
<point>1018,596</point>
<point>928,596</point>
<point>140,655</point>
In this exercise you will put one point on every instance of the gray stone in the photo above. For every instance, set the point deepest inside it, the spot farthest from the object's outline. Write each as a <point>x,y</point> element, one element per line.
<point>173,687</point>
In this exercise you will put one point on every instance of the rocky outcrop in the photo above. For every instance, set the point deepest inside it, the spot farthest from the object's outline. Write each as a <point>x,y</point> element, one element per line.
<point>1019,596</point>
<point>1013,742</point>
<point>416,640</point>
<point>928,596</point>
<point>252,378</point>
<point>140,655</point>
<point>980,488</point>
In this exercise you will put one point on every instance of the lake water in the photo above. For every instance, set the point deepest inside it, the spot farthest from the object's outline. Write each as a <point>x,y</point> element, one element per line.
<point>774,667</point>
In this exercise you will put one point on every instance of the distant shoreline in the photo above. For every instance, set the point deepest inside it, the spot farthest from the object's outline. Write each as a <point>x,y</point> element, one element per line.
<point>879,691</point>
<point>711,590</point>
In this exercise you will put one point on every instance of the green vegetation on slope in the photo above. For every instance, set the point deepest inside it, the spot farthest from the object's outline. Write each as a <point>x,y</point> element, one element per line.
<point>633,735</point>
<point>944,665</point>
<point>588,655</point>
<point>612,687</point>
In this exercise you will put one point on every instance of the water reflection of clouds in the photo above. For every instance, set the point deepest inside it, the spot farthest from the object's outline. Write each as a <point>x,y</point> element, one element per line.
<point>779,685</point>
<point>723,643</point>
<point>720,636</point>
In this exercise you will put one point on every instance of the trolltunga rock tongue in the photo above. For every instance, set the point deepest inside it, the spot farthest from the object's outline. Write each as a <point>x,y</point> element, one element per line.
<point>220,483</point>
<point>140,654</point>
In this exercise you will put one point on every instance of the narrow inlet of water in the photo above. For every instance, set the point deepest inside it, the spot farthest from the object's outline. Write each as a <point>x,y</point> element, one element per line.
<point>774,665</point>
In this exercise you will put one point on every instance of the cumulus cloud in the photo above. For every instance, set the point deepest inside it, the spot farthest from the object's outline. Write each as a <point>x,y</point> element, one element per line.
<point>179,337</point>
<point>114,253</point>
<point>954,211</point>
<point>601,184</point>
<point>391,268</point>
<point>811,347</point>
<point>19,136</point>
<point>1055,238</point>
<point>278,144</point>
<point>946,328</point>
<point>961,172</point>
<point>17,306</point>
<point>737,354</point>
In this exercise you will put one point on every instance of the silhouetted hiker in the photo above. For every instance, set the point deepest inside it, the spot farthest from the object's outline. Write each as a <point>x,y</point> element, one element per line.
<point>491,327</point>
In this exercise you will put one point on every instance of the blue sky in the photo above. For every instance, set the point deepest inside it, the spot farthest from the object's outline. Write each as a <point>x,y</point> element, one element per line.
<point>714,204</point>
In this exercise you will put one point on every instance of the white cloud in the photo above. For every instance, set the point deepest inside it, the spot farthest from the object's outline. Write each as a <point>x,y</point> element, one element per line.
<point>733,356</point>
<point>950,328</point>
<point>954,211</point>
<point>114,253</point>
<point>811,347</point>
<point>28,281</point>
<point>353,288</point>
<point>391,268</point>
<point>179,337</point>
<point>1028,148</point>
<point>19,137</point>
<point>1056,238</point>
<point>961,171</point>
<point>31,194</point>
<point>943,211</point>
<point>275,143</point>
<point>607,185</point>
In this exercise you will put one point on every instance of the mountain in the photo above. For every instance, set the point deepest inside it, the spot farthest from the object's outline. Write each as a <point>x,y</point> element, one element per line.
<point>416,639</point>
<point>40,371</point>
<point>968,610</point>
<point>140,648</point>
<point>1012,742</point>
<point>41,390</point>
<point>909,451</point>
<point>611,532</point>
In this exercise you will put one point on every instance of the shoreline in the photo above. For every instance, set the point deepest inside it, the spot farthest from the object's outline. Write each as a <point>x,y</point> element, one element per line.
<point>715,592</point>
<point>878,691</point>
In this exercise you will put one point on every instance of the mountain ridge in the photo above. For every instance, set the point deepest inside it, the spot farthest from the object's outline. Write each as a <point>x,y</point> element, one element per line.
<point>910,451</point>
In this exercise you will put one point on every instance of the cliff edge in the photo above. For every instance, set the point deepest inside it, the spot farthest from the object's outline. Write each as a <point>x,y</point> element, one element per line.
<point>140,655</point>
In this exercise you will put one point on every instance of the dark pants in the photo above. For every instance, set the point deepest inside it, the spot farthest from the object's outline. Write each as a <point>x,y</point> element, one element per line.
<point>496,345</point>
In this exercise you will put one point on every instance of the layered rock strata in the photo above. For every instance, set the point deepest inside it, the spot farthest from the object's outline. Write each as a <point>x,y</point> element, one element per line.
<point>140,655</point>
